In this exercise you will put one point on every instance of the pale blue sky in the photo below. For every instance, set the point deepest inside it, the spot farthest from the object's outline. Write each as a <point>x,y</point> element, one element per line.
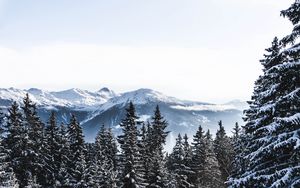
<point>208,49</point>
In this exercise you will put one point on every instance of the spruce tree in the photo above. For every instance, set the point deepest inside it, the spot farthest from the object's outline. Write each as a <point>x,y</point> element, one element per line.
<point>64,178</point>
<point>240,148</point>
<point>156,136</point>
<point>144,144</point>
<point>52,150</point>
<point>105,159</point>
<point>177,164</point>
<point>7,176</point>
<point>16,143</point>
<point>224,151</point>
<point>273,119</point>
<point>187,160</point>
<point>130,156</point>
<point>198,156</point>
<point>34,155</point>
<point>211,174</point>
<point>77,163</point>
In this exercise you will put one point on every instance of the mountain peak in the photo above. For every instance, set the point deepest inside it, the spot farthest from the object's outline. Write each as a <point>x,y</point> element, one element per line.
<point>35,91</point>
<point>104,89</point>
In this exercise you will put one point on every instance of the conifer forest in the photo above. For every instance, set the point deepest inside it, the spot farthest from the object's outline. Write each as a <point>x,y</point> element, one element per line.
<point>264,152</point>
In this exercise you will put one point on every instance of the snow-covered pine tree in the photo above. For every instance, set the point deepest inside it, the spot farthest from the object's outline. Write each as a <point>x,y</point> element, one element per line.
<point>239,164</point>
<point>16,142</point>
<point>7,176</point>
<point>211,174</point>
<point>144,149</point>
<point>105,159</point>
<point>273,119</point>
<point>236,132</point>
<point>64,178</point>
<point>198,156</point>
<point>52,150</point>
<point>156,137</point>
<point>90,171</point>
<point>224,151</point>
<point>177,164</point>
<point>77,163</point>
<point>35,128</point>
<point>187,160</point>
<point>111,155</point>
<point>130,156</point>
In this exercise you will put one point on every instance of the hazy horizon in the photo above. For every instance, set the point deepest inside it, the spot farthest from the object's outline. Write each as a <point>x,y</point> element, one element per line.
<point>195,50</point>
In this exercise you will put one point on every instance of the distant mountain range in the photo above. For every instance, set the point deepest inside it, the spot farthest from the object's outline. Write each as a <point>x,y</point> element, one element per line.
<point>107,107</point>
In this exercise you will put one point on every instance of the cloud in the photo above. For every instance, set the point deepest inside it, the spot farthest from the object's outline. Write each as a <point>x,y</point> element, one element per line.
<point>191,73</point>
<point>214,108</point>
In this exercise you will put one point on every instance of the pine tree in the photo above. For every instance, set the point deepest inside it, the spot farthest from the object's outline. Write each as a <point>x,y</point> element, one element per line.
<point>144,145</point>
<point>237,131</point>
<point>187,160</point>
<point>156,138</point>
<point>105,159</point>
<point>273,119</point>
<point>7,176</point>
<point>91,170</point>
<point>34,155</point>
<point>77,163</point>
<point>198,156</point>
<point>16,143</point>
<point>240,148</point>
<point>211,174</point>
<point>130,158</point>
<point>52,150</point>
<point>178,167</point>
<point>64,178</point>
<point>224,151</point>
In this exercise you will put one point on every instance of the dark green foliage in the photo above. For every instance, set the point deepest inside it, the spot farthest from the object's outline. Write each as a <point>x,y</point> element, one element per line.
<point>178,163</point>
<point>198,156</point>
<point>77,163</point>
<point>273,119</point>
<point>224,152</point>
<point>52,148</point>
<point>130,156</point>
<point>211,176</point>
<point>155,140</point>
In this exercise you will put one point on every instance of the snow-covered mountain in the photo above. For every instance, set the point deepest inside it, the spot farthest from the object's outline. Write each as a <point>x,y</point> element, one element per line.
<point>74,98</point>
<point>107,107</point>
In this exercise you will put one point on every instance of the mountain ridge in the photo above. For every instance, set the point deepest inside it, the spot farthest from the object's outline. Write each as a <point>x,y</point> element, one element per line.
<point>106,107</point>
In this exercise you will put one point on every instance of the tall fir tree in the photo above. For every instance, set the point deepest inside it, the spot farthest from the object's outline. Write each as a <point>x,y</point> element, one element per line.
<point>156,136</point>
<point>211,174</point>
<point>64,178</point>
<point>7,176</point>
<point>187,160</point>
<point>35,130</point>
<point>198,156</point>
<point>52,148</point>
<point>105,159</point>
<point>239,164</point>
<point>130,156</point>
<point>236,132</point>
<point>144,145</point>
<point>16,143</point>
<point>177,164</point>
<point>224,151</point>
<point>273,119</point>
<point>77,163</point>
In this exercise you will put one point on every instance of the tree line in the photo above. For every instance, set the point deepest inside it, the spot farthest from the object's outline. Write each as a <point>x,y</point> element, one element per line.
<point>263,153</point>
<point>37,154</point>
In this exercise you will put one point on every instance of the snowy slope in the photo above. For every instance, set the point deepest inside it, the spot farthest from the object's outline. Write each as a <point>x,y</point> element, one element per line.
<point>106,107</point>
<point>75,98</point>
